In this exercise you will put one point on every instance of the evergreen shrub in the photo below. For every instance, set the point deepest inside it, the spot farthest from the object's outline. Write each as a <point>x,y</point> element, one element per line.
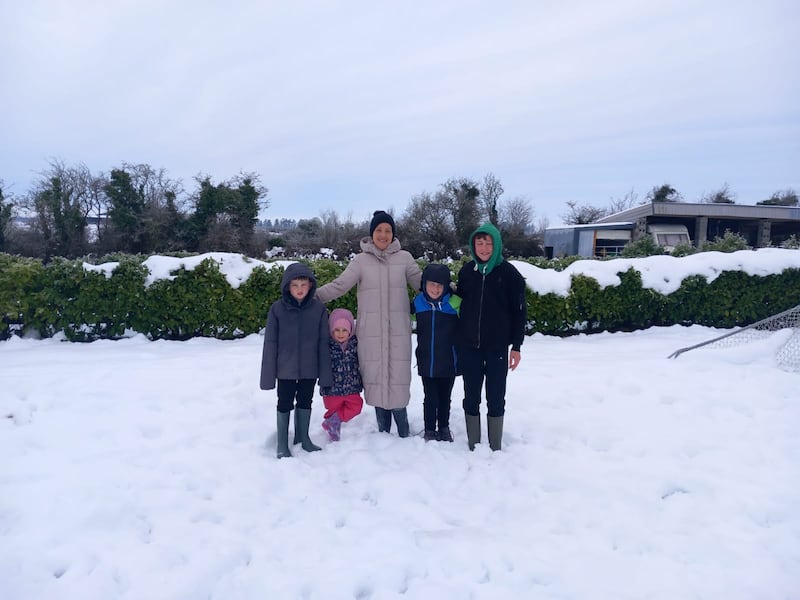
<point>63,297</point>
<point>729,242</point>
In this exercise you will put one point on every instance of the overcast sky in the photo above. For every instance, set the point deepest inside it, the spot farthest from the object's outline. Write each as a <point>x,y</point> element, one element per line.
<point>361,105</point>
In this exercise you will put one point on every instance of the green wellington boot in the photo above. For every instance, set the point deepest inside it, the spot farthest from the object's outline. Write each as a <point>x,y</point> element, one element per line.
<point>473,430</point>
<point>495,433</point>
<point>283,435</point>
<point>303,418</point>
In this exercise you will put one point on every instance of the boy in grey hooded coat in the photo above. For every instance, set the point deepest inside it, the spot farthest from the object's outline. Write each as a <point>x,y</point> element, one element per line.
<point>296,353</point>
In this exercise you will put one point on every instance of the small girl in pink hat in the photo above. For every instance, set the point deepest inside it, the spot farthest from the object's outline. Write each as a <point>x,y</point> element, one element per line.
<point>343,399</point>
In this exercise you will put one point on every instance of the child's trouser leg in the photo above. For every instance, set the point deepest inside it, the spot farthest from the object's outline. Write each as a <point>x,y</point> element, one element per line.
<point>443,408</point>
<point>332,405</point>
<point>346,407</point>
<point>473,368</point>
<point>350,407</point>
<point>430,403</point>
<point>303,391</point>
<point>496,374</point>
<point>443,433</point>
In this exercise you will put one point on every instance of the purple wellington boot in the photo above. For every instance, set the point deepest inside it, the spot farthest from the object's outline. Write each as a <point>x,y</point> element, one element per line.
<point>333,426</point>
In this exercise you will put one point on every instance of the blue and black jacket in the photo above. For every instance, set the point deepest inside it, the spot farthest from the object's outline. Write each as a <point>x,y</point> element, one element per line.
<point>437,326</point>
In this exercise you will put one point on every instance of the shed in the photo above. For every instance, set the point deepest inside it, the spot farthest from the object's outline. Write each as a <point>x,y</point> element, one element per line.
<point>590,240</point>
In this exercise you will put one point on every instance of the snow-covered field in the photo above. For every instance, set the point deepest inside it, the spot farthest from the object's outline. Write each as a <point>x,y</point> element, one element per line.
<point>146,470</point>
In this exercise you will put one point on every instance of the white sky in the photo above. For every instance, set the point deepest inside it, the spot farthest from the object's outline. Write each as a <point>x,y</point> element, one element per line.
<point>360,105</point>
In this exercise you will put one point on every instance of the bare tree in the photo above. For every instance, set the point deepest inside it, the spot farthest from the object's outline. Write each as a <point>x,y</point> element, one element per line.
<point>220,237</point>
<point>516,215</point>
<point>6,206</point>
<point>722,196</point>
<point>62,200</point>
<point>460,196</point>
<point>331,229</point>
<point>516,221</point>
<point>583,214</point>
<point>539,227</point>
<point>624,202</point>
<point>428,228</point>
<point>153,185</point>
<point>341,236</point>
<point>305,238</point>
<point>490,191</point>
<point>787,197</point>
<point>664,193</point>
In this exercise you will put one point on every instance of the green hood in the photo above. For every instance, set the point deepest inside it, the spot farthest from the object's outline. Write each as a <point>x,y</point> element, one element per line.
<point>497,248</point>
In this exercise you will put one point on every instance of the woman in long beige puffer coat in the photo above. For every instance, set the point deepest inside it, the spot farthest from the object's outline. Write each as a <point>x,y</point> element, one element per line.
<point>382,272</point>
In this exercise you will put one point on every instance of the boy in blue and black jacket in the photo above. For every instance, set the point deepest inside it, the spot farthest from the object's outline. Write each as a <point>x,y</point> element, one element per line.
<point>436,311</point>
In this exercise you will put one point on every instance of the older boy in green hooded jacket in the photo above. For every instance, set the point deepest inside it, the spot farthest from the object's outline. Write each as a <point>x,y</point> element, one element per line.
<point>492,320</point>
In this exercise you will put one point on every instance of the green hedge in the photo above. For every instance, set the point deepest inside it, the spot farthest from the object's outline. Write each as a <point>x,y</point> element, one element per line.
<point>63,297</point>
<point>732,299</point>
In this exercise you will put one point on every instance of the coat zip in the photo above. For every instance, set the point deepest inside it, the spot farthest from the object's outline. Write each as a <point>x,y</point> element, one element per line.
<point>299,337</point>
<point>433,335</point>
<point>480,309</point>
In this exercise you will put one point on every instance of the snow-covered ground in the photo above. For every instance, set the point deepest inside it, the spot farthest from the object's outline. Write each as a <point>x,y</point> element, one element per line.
<point>146,470</point>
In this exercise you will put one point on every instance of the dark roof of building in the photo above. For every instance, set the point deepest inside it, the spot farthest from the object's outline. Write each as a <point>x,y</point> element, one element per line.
<point>722,211</point>
<point>597,226</point>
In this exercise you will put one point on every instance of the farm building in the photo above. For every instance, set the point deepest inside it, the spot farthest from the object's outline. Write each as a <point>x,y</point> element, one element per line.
<point>670,222</point>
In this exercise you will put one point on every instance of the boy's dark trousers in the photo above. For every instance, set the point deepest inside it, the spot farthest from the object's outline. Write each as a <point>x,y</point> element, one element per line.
<point>477,363</point>
<point>436,403</point>
<point>289,389</point>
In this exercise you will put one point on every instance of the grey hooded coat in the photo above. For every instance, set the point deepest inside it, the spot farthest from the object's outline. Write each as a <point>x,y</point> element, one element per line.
<point>296,336</point>
<point>383,320</point>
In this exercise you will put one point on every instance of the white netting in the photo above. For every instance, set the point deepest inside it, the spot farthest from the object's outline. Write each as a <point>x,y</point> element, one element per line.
<point>788,355</point>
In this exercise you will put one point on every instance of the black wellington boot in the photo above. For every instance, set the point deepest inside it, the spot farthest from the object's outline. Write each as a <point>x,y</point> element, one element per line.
<point>495,433</point>
<point>473,430</point>
<point>401,418</point>
<point>384,418</point>
<point>303,416</point>
<point>283,435</point>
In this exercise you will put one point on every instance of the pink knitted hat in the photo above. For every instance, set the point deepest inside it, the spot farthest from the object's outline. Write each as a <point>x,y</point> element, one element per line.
<point>341,317</point>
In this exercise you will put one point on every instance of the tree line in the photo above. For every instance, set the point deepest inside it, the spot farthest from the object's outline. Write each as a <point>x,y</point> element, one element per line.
<point>139,209</point>
<point>71,212</point>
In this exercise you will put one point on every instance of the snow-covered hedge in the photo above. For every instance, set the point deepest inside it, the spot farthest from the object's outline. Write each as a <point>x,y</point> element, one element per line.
<point>217,295</point>
<point>227,295</point>
<point>717,289</point>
